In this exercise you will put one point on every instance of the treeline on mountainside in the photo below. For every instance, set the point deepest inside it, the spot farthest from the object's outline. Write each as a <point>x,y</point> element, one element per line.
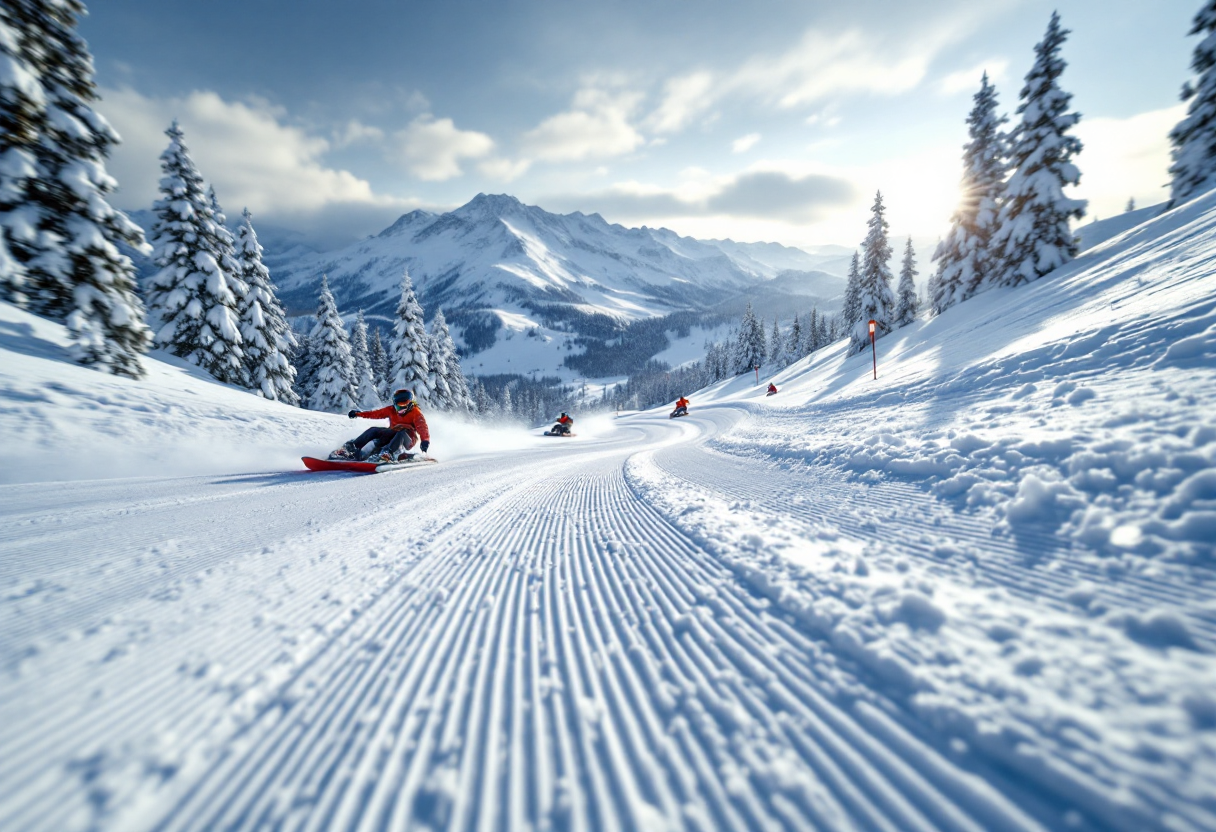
<point>628,346</point>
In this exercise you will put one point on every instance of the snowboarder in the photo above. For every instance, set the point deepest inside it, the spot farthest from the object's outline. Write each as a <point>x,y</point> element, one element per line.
<point>772,388</point>
<point>406,425</point>
<point>563,426</point>
<point>681,408</point>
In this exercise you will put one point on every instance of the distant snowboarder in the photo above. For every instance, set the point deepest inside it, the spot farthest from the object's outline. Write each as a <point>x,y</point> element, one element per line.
<point>772,388</point>
<point>406,425</point>
<point>681,408</point>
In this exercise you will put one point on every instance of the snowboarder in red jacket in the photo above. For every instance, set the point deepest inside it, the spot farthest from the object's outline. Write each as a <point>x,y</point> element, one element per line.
<point>406,425</point>
<point>564,424</point>
<point>772,388</point>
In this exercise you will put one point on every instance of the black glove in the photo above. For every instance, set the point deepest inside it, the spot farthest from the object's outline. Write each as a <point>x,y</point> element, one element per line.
<point>424,445</point>
<point>354,414</point>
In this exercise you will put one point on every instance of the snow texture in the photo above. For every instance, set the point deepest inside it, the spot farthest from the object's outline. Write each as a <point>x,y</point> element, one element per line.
<point>975,594</point>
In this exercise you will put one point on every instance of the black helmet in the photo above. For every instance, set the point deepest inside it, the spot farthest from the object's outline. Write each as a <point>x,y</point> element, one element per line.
<point>564,416</point>
<point>403,397</point>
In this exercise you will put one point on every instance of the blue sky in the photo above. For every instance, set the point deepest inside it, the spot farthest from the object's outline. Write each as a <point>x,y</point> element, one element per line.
<point>770,120</point>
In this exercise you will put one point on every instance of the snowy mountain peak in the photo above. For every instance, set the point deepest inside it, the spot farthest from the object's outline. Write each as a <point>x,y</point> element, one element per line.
<point>409,223</point>
<point>490,205</point>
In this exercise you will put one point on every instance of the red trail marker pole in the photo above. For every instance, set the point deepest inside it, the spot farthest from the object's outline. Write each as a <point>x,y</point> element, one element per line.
<point>874,349</point>
<point>757,369</point>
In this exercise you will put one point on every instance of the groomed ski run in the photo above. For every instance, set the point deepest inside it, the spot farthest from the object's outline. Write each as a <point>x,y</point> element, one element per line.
<point>975,595</point>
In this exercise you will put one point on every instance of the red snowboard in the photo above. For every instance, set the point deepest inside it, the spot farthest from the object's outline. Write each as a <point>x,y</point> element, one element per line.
<point>314,464</point>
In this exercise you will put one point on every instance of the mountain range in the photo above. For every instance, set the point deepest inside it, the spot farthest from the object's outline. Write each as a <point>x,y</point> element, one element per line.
<point>502,270</point>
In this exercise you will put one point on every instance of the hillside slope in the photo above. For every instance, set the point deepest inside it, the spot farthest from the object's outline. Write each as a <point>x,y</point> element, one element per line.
<point>977,593</point>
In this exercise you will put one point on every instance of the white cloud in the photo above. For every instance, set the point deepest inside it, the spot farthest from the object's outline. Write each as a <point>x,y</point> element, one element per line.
<point>1122,158</point>
<point>504,170</point>
<point>598,125</point>
<point>744,143</point>
<point>968,80</point>
<point>243,148</point>
<point>355,132</point>
<point>757,193</point>
<point>684,99</point>
<point>432,148</point>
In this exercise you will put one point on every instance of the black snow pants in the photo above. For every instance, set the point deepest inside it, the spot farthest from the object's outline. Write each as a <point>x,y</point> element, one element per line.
<point>387,439</point>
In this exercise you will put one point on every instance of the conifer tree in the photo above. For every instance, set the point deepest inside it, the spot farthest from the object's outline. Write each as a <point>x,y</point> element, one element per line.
<point>907,304</point>
<point>795,341</point>
<point>814,332</point>
<point>266,336</point>
<point>379,361</point>
<point>964,258</point>
<point>190,300</point>
<point>22,120</point>
<point>61,232</point>
<point>446,366</point>
<point>364,380</point>
<point>304,359</point>
<point>1193,139</point>
<point>876,300</point>
<point>335,367</point>
<point>481,398</point>
<point>409,367</point>
<point>750,348</point>
<point>776,347</point>
<point>1033,235</point>
<point>851,309</point>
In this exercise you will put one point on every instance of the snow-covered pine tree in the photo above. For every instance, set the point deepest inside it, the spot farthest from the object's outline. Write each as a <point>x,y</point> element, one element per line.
<point>1033,234</point>
<point>441,396</point>
<point>453,380</point>
<point>53,186</point>
<point>363,380</point>
<point>22,119</point>
<point>267,339</point>
<point>814,332</point>
<point>750,348</point>
<point>795,341</point>
<point>907,304</point>
<point>335,375</point>
<point>12,274</point>
<point>964,258</point>
<point>481,399</point>
<point>190,301</point>
<point>304,359</point>
<point>876,300</point>
<point>851,309</point>
<point>776,347</point>
<point>409,367</point>
<point>505,404</point>
<point>1194,138</point>
<point>379,360</point>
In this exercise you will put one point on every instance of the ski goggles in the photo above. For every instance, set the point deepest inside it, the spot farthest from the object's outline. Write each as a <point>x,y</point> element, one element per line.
<point>403,406</point>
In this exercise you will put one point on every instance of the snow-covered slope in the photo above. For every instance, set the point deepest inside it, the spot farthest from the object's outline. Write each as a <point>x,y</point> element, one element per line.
<point>976,593</point>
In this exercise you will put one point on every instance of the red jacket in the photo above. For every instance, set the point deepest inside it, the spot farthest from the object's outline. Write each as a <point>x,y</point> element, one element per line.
<point>682,402</point>
<point>565,420</point>
<point>411,419</point>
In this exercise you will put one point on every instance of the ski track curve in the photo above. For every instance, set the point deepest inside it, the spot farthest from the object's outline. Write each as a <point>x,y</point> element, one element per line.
<point>526,645</point>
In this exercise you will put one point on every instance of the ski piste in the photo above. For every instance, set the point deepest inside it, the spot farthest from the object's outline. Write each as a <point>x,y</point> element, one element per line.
<point>314,464</point>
